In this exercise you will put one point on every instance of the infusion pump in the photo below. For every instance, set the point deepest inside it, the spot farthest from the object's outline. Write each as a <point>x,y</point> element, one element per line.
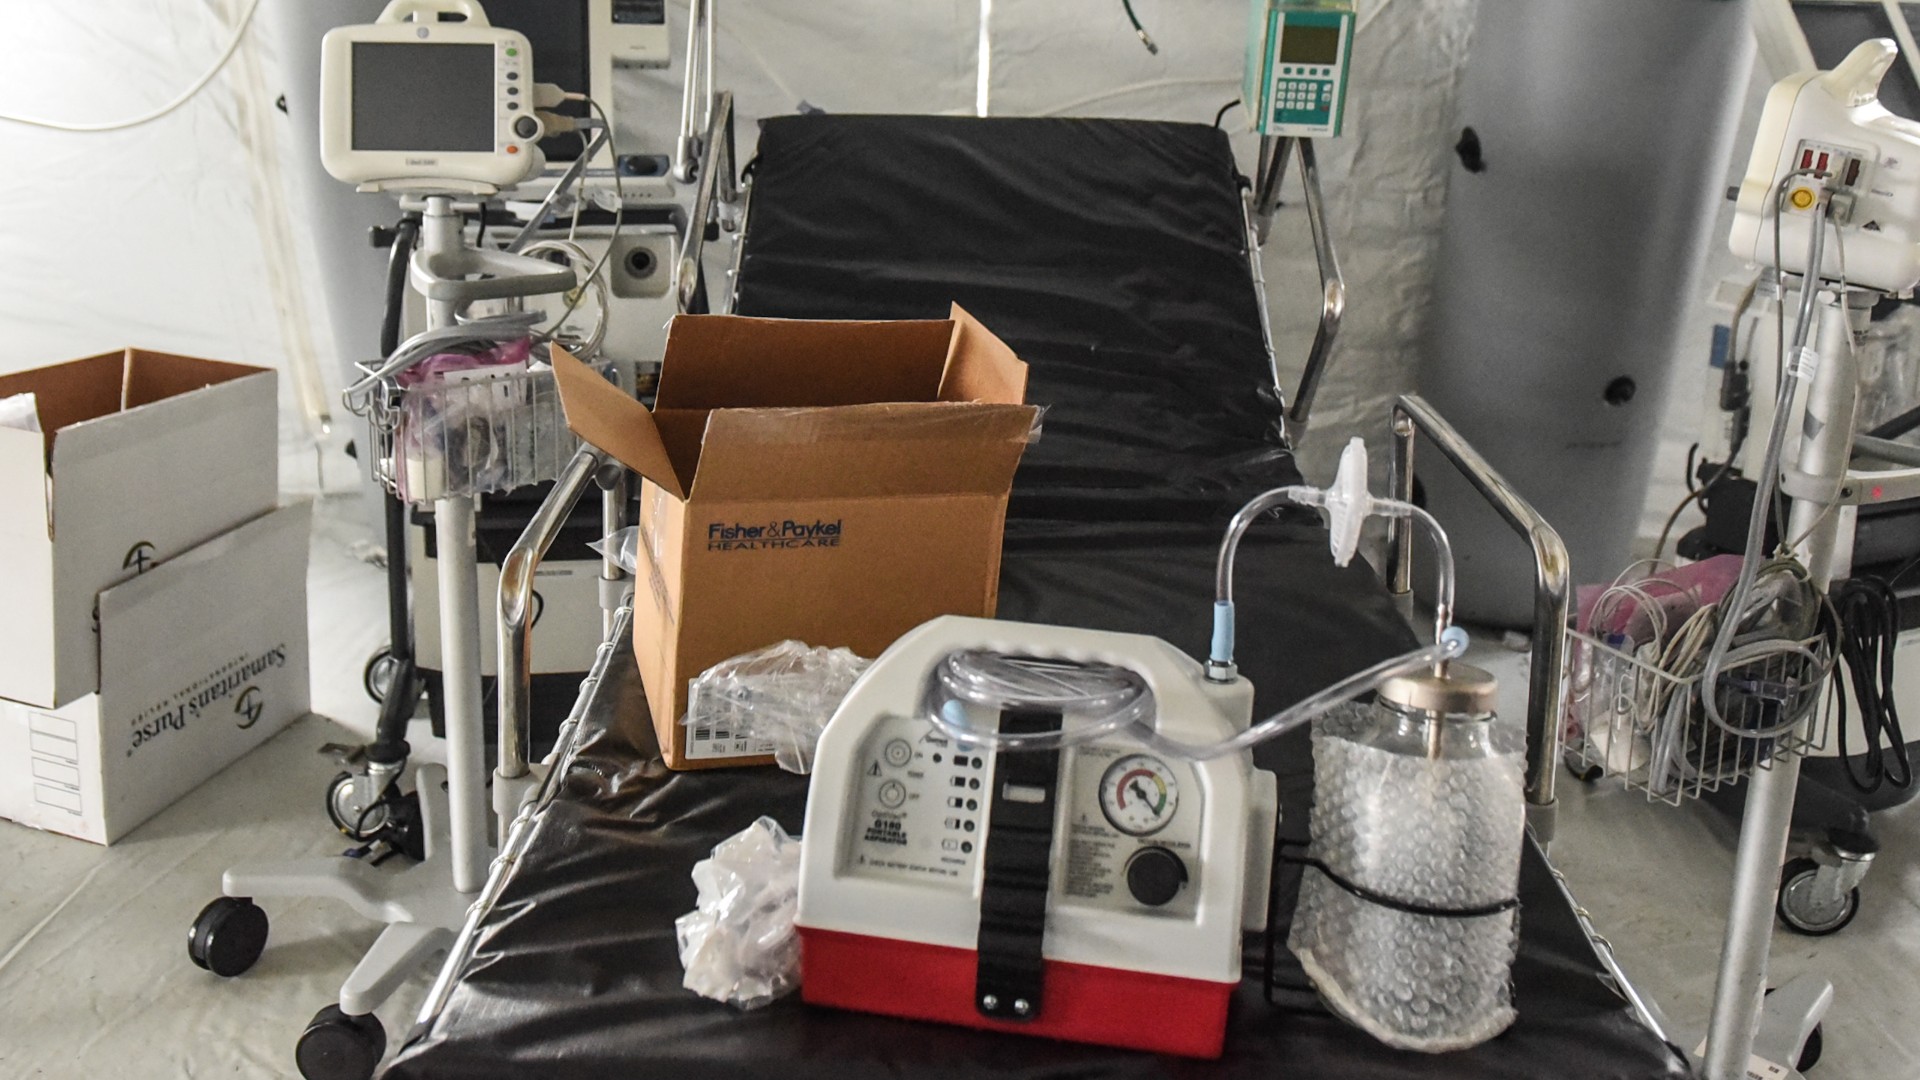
<point>1830,127</point>
<point>1094,893</point>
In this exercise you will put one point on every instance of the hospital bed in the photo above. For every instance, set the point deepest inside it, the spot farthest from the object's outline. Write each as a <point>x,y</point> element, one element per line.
<point>1119,259</point>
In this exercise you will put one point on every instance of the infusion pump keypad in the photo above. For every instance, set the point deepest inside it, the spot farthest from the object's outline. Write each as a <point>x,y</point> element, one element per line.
<point>1303,93</point>
<point>1130,842</point>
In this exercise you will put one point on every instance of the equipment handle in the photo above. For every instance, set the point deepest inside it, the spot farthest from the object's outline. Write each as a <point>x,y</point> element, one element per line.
<point>410,10</point>
<point>1856,80</point>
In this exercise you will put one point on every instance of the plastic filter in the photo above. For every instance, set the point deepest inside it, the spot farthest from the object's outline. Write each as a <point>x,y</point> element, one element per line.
<point>1422,812</point>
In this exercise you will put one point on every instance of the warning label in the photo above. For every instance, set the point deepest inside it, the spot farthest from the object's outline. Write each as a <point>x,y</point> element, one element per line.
<point>1089,864</point>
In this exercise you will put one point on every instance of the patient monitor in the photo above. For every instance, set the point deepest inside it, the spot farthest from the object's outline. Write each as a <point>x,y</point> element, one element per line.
<point>412,102</point>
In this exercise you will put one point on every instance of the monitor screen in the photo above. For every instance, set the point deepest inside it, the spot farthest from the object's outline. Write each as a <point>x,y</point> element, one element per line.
<point>1310,45</point>
<point>423,98</point>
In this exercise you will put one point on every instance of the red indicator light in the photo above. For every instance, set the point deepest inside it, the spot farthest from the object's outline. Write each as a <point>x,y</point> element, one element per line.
<point>1877,492</point>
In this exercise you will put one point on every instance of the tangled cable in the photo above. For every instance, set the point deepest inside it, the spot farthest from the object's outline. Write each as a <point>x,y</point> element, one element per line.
<point>1867,622</point>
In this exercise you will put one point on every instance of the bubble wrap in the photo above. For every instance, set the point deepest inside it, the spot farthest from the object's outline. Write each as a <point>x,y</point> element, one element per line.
<point>1443,833</point>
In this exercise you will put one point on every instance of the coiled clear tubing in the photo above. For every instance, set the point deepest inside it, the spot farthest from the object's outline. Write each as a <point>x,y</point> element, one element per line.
<point>1097,700</point>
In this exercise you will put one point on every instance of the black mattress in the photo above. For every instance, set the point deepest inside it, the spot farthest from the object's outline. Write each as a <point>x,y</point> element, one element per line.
<point>1111,255</point>
<point>574,973</point>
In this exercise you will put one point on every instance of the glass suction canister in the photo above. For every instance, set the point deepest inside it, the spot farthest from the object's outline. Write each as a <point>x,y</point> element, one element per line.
<point>1406,919</point>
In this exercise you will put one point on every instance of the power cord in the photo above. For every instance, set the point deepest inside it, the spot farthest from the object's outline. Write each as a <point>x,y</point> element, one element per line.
<point>1145,38</point>
<point>1867,617</point>
<point>233,46</point>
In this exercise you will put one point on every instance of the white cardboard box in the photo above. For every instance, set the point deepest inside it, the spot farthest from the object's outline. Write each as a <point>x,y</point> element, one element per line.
<point>202,659</point>
<point>144,456</point>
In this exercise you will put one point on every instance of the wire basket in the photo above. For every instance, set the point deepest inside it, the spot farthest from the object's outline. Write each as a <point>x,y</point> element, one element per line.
<point>1628,718</point>
<point>472,433</point>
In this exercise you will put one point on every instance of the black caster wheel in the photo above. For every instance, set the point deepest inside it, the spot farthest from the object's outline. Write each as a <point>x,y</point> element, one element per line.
<point>406,831</point>
<point>227,936</point>
<point>1586,774</point>
<point>377,677</point>
<point>336,1046</point>
<point>1798,909</point>
<point>357,822</point>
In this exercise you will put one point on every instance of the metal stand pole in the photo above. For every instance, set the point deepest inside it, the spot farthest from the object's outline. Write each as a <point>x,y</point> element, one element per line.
<point>460,698</point>
<point>1764,829</point>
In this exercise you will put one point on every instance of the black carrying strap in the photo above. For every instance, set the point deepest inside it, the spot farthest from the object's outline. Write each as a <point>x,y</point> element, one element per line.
<point>1018,863</point>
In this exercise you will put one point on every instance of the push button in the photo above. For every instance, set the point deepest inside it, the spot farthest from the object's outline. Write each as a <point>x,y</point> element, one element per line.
<point>526,127</point>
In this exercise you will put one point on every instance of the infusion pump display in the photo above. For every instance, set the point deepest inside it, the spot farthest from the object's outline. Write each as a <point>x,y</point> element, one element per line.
<point>1131,832</point>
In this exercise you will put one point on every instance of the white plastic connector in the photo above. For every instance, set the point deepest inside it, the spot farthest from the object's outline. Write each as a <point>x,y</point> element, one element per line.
<point>1348,503</point>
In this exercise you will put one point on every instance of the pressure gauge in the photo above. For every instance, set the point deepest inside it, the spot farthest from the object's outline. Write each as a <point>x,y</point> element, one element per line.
<point>1138,794</point>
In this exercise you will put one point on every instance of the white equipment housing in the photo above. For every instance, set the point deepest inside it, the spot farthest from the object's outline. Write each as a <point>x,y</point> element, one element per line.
<point>412,103</point>
<point>908,841</point>
<point>626,33</point>
<point>1833,122</point>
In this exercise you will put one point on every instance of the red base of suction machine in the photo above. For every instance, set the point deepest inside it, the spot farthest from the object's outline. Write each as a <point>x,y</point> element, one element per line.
<point>1160,1013</point>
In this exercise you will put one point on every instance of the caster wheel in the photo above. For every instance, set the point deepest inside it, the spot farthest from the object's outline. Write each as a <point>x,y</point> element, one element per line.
<point>377,677</point>
<point>228,936</point>
<point>1586,774</point>
<point>336,1046</point>
<point>1801,912</point>
<point>357,822</point>
<point>406,831</point>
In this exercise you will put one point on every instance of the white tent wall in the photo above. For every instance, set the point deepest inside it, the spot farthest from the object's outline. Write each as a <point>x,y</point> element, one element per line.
<point>190,234</point>
<point>173,235</point>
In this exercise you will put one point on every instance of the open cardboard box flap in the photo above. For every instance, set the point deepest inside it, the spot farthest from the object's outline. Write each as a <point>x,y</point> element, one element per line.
<point>100,387</point>
<point>862,451</point>
<point>752,408</point>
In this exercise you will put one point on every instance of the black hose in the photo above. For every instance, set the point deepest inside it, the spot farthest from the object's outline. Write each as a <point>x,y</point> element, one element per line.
<point>396,709</point>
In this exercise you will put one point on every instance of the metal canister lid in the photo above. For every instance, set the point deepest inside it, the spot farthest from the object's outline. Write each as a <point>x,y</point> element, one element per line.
<point>1464,690</point>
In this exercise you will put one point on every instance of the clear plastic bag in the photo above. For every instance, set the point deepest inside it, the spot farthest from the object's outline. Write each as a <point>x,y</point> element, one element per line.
<point>626,548</point>
<point>738,945</point>
<point>779,697</point>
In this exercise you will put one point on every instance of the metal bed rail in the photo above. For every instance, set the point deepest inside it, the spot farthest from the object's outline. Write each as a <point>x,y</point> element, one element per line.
<point>1412,417</point>
<point>517,825</point>
<point>516,610</point>
<point>718,187</point>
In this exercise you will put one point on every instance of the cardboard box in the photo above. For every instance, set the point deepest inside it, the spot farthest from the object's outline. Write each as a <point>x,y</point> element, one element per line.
<point>201,659</point>
<point>837,483</point>
<point>140,457</point>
